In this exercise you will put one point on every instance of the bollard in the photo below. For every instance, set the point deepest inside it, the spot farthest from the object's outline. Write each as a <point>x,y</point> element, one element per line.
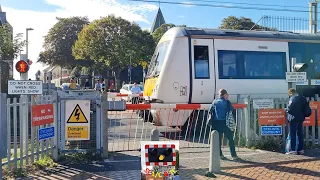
<point>214,161</point>
<point>155,135</point>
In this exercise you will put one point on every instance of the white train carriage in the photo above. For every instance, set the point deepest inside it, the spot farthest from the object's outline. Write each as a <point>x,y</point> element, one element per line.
<point>190,65</point>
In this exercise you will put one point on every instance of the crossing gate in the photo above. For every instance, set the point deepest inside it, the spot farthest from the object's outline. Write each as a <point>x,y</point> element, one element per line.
<point>186,123</point>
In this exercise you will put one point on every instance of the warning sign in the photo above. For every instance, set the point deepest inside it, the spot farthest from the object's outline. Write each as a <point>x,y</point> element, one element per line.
<point>77,116</point>
<point>78,132</point>
<point>77,120</point>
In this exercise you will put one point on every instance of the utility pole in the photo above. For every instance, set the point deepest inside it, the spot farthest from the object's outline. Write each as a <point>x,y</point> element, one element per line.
<point>313,17</point>
<point>24,76</point>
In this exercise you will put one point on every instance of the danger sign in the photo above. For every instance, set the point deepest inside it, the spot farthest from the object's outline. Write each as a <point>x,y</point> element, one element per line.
<point>78,122</point>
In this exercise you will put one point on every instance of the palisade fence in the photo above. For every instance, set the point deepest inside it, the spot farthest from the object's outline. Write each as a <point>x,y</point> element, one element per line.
<point>253,128</point>
<point>19,143</point>
<point>282,23</point>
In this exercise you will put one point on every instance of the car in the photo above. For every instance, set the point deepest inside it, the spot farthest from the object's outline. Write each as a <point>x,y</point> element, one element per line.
<point>65,87</point>
<point>126,89</point>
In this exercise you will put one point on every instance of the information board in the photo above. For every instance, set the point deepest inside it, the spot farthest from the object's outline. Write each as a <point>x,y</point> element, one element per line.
<point>271,130</point>
<point>45,133</point>
<point>263,104</point>
<point>78,120</point>
<point>296,76</point>
<point>24,87</point>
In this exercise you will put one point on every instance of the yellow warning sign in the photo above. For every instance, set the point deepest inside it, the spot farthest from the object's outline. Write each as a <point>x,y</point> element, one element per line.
<point>77,116</point>
<point>77,132</point>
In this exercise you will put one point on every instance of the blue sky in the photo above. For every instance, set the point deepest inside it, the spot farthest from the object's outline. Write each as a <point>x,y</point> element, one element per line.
<point>40,14</point>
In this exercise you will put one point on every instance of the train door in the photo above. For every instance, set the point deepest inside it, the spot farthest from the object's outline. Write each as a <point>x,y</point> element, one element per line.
<point>203,81</point>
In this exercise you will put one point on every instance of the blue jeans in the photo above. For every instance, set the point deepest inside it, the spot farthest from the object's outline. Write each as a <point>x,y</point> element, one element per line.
<point>296,128</point>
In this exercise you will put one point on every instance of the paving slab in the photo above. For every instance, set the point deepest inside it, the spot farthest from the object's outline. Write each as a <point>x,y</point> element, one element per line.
<point>254,164</point>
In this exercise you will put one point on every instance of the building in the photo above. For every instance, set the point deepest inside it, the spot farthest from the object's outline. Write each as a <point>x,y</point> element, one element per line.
<point>158,21</point>
<point>59,75</point>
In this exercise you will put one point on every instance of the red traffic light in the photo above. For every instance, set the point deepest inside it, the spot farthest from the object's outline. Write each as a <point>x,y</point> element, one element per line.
<point>22,66</point>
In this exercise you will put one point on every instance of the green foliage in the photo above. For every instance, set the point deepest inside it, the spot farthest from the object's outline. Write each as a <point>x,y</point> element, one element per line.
<point>242,23</point>
<point>45,162</point>
<point>269,143</point>
<point>111,42</point>
<point>9,46</point>
<point>159,32</point>
<point>59,41</point>
<point>81,157</point>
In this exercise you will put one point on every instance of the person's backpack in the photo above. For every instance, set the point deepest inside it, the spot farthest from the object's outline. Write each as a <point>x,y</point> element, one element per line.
<point>307,110</point>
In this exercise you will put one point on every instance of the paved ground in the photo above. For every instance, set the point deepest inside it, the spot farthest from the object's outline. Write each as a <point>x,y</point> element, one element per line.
<point>126,130</point>
<point>255,164</point>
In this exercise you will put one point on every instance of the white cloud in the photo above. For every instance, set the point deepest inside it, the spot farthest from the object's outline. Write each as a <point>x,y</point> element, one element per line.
<point>41,21</point>
<point>187,4</point>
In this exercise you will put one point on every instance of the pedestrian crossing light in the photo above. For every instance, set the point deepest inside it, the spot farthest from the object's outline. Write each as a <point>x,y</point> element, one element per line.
<point>160,155</point>
<point>300,67</point>
<point>22,66</point>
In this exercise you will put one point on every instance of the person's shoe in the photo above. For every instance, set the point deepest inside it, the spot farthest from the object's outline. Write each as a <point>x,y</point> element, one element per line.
<point>234,158</point>
<point>222,157</point>
<point>292,152</point>
<point>301,152</point>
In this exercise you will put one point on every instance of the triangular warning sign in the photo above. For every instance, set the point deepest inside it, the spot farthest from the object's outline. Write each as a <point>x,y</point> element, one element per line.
<point>77,116</point>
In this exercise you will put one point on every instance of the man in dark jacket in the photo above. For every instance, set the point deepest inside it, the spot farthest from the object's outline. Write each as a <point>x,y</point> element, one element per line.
<point>296,116</point>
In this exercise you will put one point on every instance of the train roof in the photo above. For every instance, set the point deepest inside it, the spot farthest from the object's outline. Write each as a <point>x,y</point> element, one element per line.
<point>189,31</point>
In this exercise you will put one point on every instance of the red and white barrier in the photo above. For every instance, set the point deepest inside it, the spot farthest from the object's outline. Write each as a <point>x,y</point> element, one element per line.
<point>114,95</point>
<point>176,106</point>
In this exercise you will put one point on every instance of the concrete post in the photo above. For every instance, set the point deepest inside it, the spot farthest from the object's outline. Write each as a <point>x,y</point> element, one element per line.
<point>214,161</point>
<point>104,124</point>
<point>155,135</point>
<point>56,126</point>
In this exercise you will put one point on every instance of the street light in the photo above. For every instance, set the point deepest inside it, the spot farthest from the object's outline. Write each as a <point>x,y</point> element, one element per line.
<point>27,50</point>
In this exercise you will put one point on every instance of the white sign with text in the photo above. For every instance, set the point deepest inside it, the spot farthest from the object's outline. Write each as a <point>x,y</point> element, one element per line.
<point>296,77</point>
<point>26,87</point>
<point>263,104</point>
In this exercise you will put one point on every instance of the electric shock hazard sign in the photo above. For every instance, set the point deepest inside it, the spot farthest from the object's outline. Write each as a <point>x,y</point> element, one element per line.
<point>78,122</point>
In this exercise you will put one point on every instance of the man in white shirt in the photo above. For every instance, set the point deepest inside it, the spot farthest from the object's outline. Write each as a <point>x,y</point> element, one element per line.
<point>135,90</point>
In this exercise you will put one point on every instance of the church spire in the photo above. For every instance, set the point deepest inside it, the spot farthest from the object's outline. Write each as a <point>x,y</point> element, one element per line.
<point>158,21</point>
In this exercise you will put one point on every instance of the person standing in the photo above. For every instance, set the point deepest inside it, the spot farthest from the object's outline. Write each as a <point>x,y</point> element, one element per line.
<point>298,109</point>
<point>135,90</point>
<point>219,110</point>
<point>87,84</point>
<point>97,86</point>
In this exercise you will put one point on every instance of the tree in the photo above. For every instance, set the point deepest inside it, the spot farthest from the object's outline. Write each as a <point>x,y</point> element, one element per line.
<point>159,32</point>
<point>242,23</point>
<point>10,47</point>
<point>9,50</point>
<point>111,42</point>
<point>59,41</point>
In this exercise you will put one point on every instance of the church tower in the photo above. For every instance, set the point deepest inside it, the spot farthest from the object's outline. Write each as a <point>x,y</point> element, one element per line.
<point>158,21</point>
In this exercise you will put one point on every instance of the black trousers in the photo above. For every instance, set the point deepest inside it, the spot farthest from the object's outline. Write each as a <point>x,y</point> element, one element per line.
<point>135,100</point>
<point>221,127</point>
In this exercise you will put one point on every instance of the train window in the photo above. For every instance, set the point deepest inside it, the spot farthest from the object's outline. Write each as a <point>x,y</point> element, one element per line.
<point>251,65</point>
<point>201,62</point>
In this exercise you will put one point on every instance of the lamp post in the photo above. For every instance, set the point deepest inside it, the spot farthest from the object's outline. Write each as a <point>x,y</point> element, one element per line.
<point>24,76</point>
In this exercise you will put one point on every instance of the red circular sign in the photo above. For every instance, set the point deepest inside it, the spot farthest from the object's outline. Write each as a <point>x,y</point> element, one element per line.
<point>22,66</point>
<point>30,62</point>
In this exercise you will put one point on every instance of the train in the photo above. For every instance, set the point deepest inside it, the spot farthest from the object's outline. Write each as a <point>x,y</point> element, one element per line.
<point>190,65</point>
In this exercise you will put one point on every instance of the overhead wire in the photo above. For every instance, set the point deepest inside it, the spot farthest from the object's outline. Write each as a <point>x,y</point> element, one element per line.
<point>223,6</point>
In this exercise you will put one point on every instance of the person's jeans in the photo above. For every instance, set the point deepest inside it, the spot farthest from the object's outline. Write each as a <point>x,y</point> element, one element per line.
<point>296,129</point>
<point>221,127</point>
<point>135,100</point>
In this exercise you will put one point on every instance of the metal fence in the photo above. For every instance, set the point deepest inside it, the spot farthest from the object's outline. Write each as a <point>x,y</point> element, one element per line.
<point>282,23</point>
<point>20,143</point>
<point>186,123</point>
<point>311,124</point>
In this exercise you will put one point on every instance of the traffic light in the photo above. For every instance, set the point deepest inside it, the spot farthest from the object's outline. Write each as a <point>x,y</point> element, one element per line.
<point>300,67</point>
<point>22,66</point>
<point>160,155</point>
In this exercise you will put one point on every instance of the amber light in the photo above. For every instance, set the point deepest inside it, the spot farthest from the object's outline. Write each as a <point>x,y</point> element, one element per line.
<point>22,66</point>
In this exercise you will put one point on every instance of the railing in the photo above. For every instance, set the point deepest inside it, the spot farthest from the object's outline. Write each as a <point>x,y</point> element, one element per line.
<point>127,128</point>
<point>20,143</point>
